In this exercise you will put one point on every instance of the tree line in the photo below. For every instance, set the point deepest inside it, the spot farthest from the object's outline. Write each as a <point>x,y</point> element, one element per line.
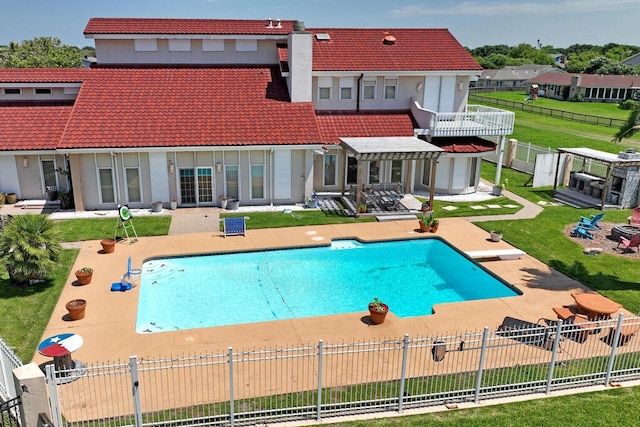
<point>581,58</point>
<point>43,52</point>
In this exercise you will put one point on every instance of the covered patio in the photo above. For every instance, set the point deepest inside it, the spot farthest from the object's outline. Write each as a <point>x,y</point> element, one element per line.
<point>385,197</point>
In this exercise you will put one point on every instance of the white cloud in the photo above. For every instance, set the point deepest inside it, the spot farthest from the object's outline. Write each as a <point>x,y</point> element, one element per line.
<point>547,8</point>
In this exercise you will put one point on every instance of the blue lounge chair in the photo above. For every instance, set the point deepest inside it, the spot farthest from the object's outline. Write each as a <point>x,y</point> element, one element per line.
<point>591,222</point>
<point>234,226</point>
<point>580,231</point>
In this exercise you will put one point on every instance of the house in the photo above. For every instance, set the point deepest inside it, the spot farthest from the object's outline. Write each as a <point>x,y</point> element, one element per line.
<point>632,60</point>
<point>512,76</point>
<point>264,111</point>
<point>588,87</point>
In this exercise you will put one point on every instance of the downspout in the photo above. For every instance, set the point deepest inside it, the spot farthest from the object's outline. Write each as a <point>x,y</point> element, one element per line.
<point>114,164</point>
<point>358,93</point>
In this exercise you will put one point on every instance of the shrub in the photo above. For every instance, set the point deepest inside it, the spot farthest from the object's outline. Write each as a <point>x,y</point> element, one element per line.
<point>29,248</point>
<point>627,104</point>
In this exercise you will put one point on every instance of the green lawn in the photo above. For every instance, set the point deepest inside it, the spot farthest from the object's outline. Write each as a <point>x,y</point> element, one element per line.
<point>73,230</point>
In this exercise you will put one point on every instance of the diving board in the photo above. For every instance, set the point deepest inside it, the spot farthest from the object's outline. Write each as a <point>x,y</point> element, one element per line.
<point>502,254</point>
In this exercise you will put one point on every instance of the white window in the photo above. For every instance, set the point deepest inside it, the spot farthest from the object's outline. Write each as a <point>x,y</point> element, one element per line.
<point>213,45</point>
<point>179,45</point>
<point>145,45</point>
<point>49,173</point>
<point>42,91</point>
<point>12,91</point>
<point>232,187</point>
<point>330,169</point>
<point>390,88</point>
<point>133,185</point>
<point>346,88</point>
<point>243,45</point>
<point>369,89</point>
<point>107,193</point>
<point>324,87</point>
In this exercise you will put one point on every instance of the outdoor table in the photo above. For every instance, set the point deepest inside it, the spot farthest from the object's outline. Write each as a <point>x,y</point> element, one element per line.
<point>595,306</point>
<point>60,348</point>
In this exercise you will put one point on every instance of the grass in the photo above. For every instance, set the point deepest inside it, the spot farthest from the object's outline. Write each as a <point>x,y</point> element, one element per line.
<point>295,218</point>
<point>73,230</point>
<point>25,310</point>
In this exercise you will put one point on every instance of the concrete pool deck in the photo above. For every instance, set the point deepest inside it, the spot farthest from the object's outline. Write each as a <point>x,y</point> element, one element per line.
<point>108,328</point>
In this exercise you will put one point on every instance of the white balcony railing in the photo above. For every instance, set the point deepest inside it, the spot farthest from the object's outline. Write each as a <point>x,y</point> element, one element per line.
<point>476,120</point>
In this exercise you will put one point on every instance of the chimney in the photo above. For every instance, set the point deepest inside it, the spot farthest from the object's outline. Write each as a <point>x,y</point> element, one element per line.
<point>300,45</point>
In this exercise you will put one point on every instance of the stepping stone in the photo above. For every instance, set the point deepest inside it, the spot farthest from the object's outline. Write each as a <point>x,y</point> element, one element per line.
<point>511,206</point>
<point>449,208</point>
<point>494,206</point>
<point>477,207</point>
<point>542,203</point>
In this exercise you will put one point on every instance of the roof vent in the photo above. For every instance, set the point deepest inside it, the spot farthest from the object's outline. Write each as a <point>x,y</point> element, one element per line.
<point>388,39</point>
<point>298,26</point>
<point>278,23</point>
<point>269,23</point>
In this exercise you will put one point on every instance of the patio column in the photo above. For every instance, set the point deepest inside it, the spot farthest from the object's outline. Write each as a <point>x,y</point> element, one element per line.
<point>432,181</point>
<point>499,165</point>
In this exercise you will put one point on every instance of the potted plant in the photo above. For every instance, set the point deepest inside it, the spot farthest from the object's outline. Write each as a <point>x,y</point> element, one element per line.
<point>84,275</point>
<point>425,223</point>
<point>378,311</point>
<point>76,308</point>
<point>495,235</point>
<point>435,222</point>
<point>224,200</point>
<point>362,208</point>
<point>2,198</point>
<point>174,204</point>
<point>108,245</point>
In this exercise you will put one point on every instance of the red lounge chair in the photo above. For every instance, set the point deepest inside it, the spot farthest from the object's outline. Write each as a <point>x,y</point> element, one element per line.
<point>627,244</point>
<point>634,219</point>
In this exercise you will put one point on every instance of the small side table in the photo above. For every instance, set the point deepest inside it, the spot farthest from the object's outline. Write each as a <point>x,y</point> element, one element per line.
<point>60,348</point>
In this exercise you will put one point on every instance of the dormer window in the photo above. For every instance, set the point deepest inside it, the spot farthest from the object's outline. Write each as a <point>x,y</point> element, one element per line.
<point>390,88</point>
<point>12,91</point>
<point>145,45</point>
<point>369,88</point>
<point>346,88</point>
<point>179,45</point>
<point>244,45</point>
<point>324,87</point>
<point>43,91</point>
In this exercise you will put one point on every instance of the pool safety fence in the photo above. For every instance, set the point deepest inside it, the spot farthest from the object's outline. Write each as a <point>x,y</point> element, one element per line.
<point>318,382</point>
<point>8,362</point>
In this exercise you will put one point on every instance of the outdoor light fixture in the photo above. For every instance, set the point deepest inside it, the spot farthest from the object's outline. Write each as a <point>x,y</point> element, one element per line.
<point>460,85</point>
<point>218,167</point>
<point>172,167</point>
<point>419,86</point>
<point>25,162</point>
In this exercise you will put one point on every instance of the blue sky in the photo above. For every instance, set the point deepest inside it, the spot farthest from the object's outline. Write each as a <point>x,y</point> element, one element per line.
<point>559,23</point>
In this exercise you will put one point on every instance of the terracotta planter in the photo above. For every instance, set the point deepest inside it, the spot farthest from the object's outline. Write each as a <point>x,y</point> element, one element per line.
<point>424,227</point>
<point>84,278</point>
<point>11,198</point>
<point>108,245</point>
<point>434,228</point>
<point>377,317</point>
<point>76,308</point>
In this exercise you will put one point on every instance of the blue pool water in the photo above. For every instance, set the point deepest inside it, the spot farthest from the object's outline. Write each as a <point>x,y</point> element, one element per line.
<point>226,289</point>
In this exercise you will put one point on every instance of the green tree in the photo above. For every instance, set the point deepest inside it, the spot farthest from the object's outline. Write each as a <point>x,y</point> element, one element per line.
<point>630,127</point>
<point>29,248</point>
<point>42,52</point>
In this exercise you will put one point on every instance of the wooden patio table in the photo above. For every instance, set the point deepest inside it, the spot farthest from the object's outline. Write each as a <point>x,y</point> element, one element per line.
<point>595,306</point>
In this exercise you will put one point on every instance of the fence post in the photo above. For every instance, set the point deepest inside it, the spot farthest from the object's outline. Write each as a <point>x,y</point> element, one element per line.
<point>554,354</point>
<point>319,400</point>
<point>485,337</point>
<point>405,349</point>
<point>135,389</point>
<point>54,399</point>
<point>231,391</point>
<point>614,347</point>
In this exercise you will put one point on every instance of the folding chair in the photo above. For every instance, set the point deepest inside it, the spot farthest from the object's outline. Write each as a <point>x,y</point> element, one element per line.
<point>234,226</point>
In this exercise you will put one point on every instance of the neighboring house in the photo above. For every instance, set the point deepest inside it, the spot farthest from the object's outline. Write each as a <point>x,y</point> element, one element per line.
<point>591,87</point>
<point>262,111</point>
<point>512,76</point>
<point>632,60</point>
<point>559,59</point>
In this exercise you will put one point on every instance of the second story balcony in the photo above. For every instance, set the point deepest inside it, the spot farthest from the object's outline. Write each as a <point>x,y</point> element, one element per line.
<point>476,120</point>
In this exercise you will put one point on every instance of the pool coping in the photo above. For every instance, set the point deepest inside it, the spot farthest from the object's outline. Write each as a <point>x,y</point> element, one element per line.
<point>108,328</point>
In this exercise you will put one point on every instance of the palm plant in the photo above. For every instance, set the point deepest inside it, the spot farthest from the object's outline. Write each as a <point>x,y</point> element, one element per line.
<point>630,127</point>
<point>29,248</point>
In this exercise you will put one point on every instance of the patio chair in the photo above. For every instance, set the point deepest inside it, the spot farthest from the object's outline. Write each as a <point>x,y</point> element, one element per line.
<point>627,331</point>
<point>634,219</point>
<point>627,244</point>
<point>591,222</point>
<point>234,226</point>
<point>527,332</point>
<point>579,329</point>
<point>580,231</point>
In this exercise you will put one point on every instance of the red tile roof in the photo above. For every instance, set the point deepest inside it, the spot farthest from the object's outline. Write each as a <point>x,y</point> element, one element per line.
<point>344,125</point>
<point>180,107</point>
<point>468,144</point>
<point>185,26</point>
<point>43,75</point>
<point>588,80</point>
<point>32,127</point>
<point>358,49</point>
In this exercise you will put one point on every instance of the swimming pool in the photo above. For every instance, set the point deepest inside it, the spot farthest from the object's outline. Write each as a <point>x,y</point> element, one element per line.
<point>226,289</point>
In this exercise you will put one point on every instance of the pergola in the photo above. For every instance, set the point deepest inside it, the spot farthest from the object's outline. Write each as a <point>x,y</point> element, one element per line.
<point>611,160</point>
<point>390,148</point>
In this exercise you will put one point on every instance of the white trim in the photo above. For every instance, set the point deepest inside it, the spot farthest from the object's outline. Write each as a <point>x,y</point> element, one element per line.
<point>185,36</point>
<point>246,45</point>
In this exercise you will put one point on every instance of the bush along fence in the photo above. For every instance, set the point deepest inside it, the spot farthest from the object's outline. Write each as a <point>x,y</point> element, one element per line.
<point>317,382</point>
